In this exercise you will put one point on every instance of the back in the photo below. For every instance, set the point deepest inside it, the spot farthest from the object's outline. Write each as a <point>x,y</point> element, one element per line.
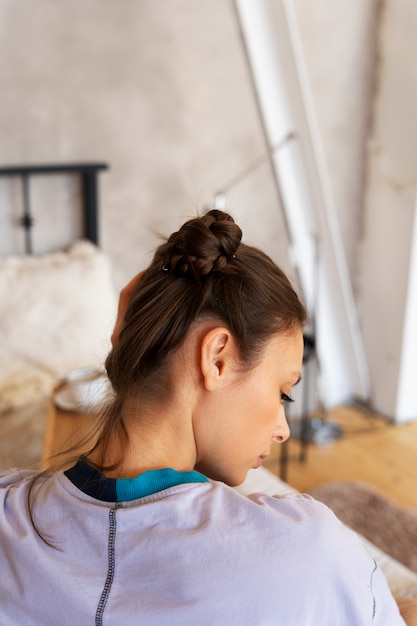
<point>191,553</point>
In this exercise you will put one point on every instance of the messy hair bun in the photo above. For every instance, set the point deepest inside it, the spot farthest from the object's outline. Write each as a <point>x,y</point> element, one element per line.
<point>201,246</point>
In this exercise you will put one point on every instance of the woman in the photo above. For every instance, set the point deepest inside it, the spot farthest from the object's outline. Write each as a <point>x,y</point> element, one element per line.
<point>204,358</point>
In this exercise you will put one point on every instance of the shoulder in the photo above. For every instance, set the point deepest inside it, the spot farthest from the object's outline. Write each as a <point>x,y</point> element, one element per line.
<point>293,506</point>
<point>295,542</point>
<point>15,477</point>
<point>297,524</point>
<point>17,488</point>
<point>310,519</point>
<point>289,514</point>
<point>298,510</point>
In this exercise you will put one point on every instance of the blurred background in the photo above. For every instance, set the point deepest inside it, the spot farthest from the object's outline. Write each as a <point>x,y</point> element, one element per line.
<point>172,96</point>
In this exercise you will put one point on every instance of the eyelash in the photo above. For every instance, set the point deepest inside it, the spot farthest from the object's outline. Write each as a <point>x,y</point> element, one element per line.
<point>286,398</point>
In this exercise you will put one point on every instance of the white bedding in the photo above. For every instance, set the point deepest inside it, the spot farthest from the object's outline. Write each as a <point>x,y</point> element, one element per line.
<point>56,314</point>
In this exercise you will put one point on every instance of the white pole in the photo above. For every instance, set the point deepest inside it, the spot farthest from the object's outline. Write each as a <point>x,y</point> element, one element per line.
<point>274,52</point>
<point>407,388</point>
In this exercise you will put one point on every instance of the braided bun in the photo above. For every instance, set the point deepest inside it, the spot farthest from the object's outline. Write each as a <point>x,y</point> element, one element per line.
<point>201,246</point>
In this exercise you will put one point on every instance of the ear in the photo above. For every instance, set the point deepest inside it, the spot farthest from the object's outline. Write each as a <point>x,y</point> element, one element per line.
<point>217,354</point>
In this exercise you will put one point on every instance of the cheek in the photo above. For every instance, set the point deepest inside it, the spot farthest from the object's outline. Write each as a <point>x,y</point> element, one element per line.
<point>275,404</point>
<point>270,414</point>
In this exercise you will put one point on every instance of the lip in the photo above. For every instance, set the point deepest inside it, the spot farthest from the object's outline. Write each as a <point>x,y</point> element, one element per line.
<point>259,460</point>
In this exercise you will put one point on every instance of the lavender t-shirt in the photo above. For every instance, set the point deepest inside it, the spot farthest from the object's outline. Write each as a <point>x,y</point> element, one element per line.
<point>190,553</point>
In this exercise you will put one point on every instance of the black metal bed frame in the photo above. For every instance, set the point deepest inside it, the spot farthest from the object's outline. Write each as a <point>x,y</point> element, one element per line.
<point>88,173</point>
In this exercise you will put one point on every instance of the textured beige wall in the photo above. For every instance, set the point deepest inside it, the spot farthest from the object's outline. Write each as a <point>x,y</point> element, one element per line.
<point>390,206</point>
<point>339,43</point>
<point>160,91</point>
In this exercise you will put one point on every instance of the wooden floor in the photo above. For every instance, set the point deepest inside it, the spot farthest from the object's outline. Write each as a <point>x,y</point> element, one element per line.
<point>370,450</point>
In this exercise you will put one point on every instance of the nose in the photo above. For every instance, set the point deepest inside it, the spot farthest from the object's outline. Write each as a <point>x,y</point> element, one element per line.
<point>282,430</point>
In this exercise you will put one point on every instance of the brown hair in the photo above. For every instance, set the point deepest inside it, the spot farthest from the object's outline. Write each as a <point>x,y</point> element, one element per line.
<point>202,271</point>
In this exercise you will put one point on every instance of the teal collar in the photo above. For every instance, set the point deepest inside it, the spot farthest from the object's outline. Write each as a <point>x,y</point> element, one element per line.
<point>153,481</point>
<point>95,484</point>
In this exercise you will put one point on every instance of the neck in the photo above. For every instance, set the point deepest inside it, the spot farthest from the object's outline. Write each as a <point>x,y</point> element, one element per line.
<point>154,441</point>
<point>160,434</point>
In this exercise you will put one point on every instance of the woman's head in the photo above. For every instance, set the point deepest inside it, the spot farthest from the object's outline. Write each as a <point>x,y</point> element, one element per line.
<point>202,273</point>
<point>210,344</point>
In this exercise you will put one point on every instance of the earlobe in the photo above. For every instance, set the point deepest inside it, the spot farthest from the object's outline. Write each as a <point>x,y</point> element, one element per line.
<point>216,351</point>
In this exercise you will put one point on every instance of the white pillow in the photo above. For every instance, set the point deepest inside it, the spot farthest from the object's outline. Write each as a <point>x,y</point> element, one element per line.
<point>57,311</point>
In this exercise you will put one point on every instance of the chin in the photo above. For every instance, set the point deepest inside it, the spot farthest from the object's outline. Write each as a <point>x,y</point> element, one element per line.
<point>235,482</point>
<point>232,480</point>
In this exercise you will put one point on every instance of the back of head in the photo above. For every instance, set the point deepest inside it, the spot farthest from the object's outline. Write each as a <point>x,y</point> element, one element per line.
<point>202,272</point>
